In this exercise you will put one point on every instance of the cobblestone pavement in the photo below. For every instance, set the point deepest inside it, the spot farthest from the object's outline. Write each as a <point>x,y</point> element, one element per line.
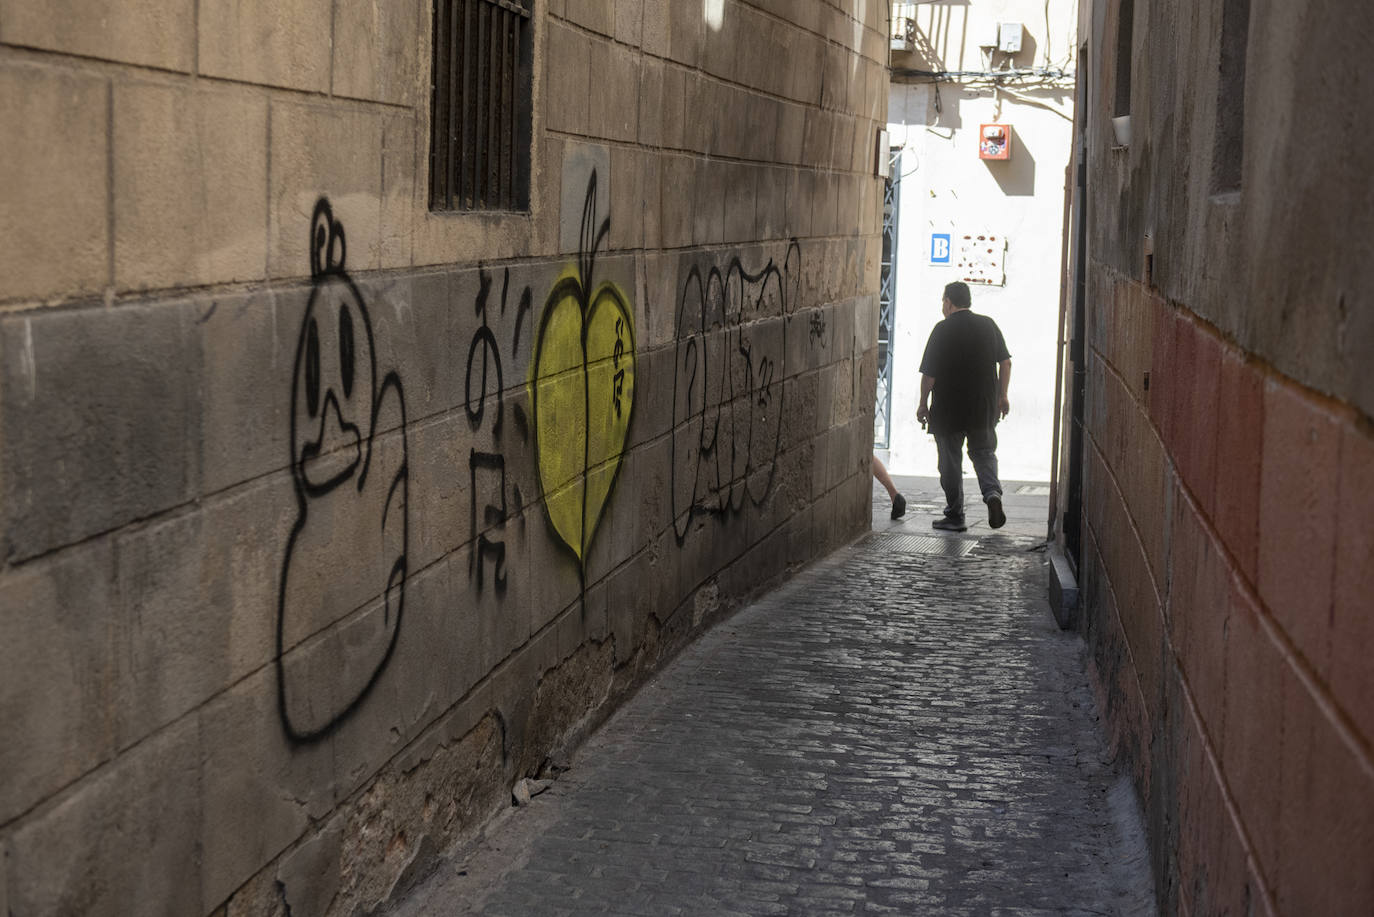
<point>889,732</point>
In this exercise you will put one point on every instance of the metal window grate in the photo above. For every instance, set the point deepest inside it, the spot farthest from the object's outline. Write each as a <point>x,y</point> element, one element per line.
<point>887,303</point>
<point>481,83</point>
<point>936,545</point>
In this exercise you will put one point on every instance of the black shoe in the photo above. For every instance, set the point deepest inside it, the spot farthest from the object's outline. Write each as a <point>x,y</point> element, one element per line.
<point>946,524</point>
<point>898,506</point>
<point>996,518</point>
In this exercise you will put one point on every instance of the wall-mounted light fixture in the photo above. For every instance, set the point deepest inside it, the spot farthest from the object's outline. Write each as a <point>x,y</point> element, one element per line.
<point>714,13</point>
<point>1121,130</point>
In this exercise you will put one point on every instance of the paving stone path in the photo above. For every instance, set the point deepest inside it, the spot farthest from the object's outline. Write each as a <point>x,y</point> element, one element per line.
<point>891,731</point>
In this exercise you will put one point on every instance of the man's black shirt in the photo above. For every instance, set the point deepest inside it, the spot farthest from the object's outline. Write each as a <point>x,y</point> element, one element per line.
<point>962,356</point>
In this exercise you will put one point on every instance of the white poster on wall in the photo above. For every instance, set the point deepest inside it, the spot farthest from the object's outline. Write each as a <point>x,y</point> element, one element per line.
<point>981,259</point>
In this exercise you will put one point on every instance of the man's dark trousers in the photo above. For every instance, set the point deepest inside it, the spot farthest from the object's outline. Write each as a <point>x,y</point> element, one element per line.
<point>982,451</point>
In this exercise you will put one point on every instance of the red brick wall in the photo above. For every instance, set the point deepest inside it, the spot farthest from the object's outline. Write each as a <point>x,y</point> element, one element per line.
<point>1228,580</point>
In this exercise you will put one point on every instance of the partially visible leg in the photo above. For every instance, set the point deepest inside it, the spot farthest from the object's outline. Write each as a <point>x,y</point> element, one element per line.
<point>880,472</point>
<point>950,447</point>
<point>898,501</point>
<point>982,451</point>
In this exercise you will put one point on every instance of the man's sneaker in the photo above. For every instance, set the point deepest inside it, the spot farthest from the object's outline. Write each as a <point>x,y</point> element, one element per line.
<point>898,506</point>
<point>996,518</point>
<point>946,524</point>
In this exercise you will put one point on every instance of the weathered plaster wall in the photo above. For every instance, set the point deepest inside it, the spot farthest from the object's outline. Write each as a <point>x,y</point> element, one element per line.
<point>1227,548</point>
<point>242,671</point>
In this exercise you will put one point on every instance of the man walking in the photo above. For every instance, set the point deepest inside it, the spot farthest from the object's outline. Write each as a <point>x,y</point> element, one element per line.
<point>967,368</point>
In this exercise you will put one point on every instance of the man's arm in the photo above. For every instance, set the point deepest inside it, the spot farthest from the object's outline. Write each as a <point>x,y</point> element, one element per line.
<point>1003,381</point>
<point>923,412</point>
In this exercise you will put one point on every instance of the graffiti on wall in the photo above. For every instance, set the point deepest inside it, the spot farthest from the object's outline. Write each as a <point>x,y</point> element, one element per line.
<point>343,581</point>
<point>817,328</point>
<point>728,387</point>
<point>582,384</point>
<point>485,381</point>
<point>342,588</point>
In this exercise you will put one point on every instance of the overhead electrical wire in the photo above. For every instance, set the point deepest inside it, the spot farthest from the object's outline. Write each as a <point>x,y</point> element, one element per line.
<point>1042,74</point>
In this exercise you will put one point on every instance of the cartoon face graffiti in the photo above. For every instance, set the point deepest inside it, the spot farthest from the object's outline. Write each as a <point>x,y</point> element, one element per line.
<point>333,389</point>
<point>343,579</point>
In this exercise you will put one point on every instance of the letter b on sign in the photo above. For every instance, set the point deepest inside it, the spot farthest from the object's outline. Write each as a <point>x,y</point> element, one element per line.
<point>939,248</point>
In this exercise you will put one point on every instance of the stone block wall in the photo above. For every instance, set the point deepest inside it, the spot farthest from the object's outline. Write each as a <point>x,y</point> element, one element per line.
<point>325,518</point>
<point>1229,457</point>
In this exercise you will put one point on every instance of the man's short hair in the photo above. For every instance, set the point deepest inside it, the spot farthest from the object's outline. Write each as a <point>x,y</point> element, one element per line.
<point>958,295</point>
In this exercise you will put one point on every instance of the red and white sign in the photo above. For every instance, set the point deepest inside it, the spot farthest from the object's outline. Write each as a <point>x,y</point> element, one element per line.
<point>994,141</point>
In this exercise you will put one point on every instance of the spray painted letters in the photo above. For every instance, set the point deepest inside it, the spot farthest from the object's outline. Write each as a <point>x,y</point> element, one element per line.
<point>728,388</point>
<point>487,468</point>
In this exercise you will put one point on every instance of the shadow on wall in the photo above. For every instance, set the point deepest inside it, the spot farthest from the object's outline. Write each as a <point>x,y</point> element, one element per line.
<point>935,34</point>
<point>1015,176</point>
<point>944,105</point>
<point>1026,56</point>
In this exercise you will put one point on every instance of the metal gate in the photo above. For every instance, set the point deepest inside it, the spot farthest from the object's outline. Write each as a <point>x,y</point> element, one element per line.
<point>887,300</point>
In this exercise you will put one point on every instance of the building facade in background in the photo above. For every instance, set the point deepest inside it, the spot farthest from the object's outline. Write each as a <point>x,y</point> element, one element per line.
<point>980,125</point>
<point>1217,481</point>
<point>388,387</point>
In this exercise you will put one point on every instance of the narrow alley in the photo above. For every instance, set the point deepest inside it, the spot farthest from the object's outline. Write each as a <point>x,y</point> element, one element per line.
<point>438,438</point>
<point>901,728</point>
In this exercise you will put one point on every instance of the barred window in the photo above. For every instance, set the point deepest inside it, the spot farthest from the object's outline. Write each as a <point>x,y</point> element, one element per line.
<point>480,130</point>
<point>1125,26</point>
<point>1229,152</point>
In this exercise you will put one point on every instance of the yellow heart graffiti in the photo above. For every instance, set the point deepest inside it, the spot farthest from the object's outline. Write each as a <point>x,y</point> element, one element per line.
<point>583,380</point>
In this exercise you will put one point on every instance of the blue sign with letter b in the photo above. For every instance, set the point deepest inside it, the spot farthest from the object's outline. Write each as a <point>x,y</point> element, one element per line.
<point>939,248</point>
